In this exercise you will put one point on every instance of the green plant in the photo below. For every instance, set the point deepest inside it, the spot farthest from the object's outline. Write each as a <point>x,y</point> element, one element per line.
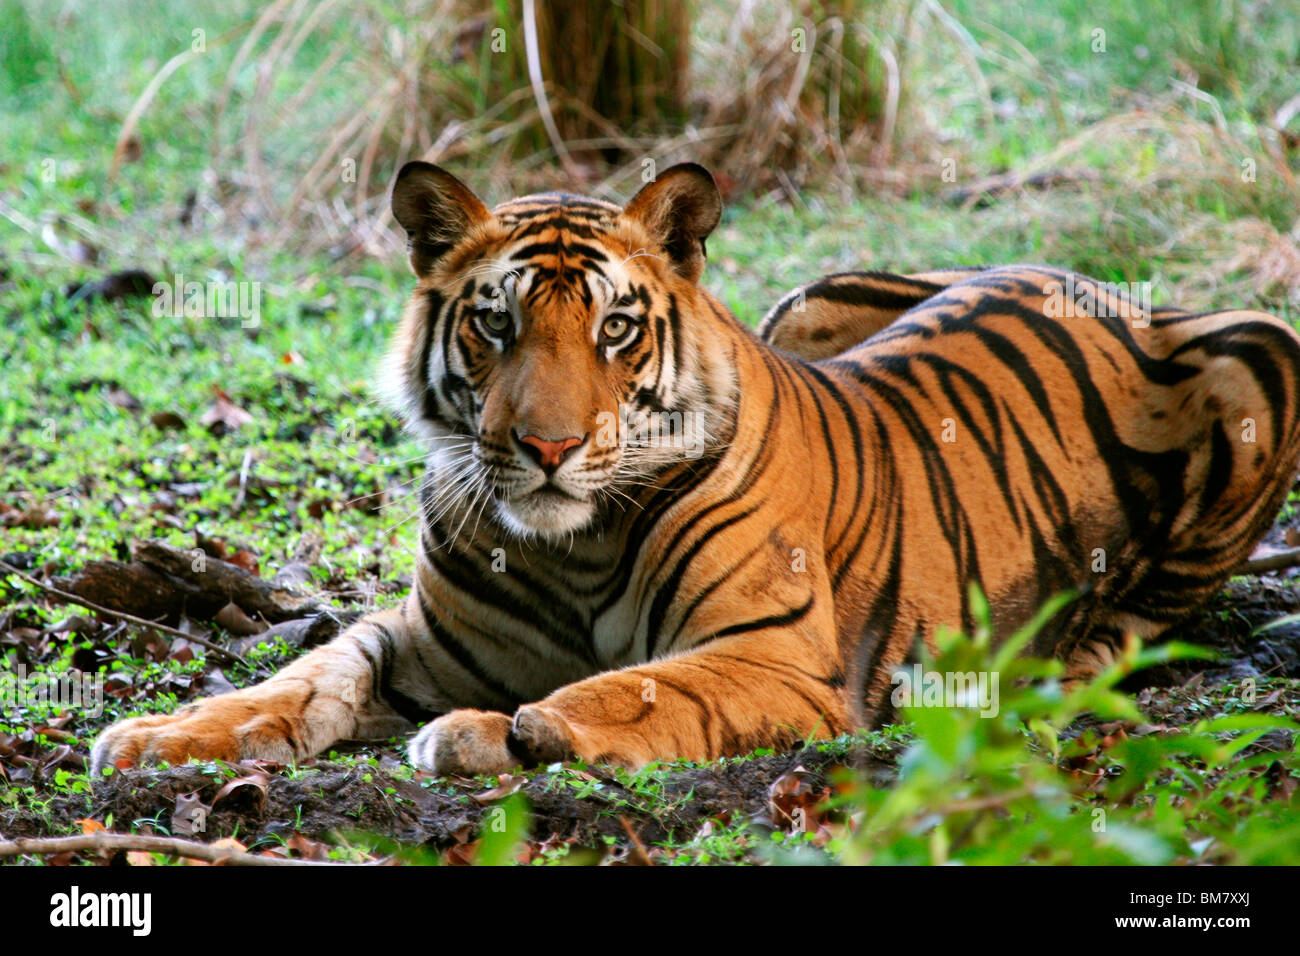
<point>1039,783</point>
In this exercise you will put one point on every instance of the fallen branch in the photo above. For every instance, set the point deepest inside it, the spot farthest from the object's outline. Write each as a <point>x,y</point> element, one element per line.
<point>220,582</point>
<point>164,583</point>
<point>189,849</point>
<point>122,615</point>
<point>1271,562</point>
<point>984,192</point>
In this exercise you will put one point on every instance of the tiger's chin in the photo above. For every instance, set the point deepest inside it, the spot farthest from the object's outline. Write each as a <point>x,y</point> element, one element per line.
<point>547,513</point>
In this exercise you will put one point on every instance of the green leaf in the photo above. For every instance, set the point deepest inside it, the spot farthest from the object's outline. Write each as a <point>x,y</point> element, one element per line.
<point>505,827</point>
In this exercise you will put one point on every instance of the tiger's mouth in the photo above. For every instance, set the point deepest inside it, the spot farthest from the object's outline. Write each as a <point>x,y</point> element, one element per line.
<point>548,510</point>
<point>554,492</point>
<point>549,491</point>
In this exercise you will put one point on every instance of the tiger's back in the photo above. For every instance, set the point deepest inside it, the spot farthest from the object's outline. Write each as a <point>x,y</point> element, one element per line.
<point>1120,456</point>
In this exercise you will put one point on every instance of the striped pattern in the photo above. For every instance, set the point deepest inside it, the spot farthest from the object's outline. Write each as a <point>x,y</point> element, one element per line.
<point>826,317</point>
<point>765,590</point>
<point>1163,450</point>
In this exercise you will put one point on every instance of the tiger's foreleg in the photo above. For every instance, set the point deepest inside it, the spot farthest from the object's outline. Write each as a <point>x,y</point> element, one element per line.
<point>734,694</point>
<point>342,690</point>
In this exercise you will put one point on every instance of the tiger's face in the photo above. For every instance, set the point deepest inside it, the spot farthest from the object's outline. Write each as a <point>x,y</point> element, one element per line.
<point>555,354</point>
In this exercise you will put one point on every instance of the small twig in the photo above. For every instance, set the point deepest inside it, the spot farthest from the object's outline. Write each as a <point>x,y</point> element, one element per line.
<point>639,853</point>
<point>534,60</point>
<point>976,804</point>
<point>71,598</point>
<point>243,481</point>
<point>104,840</point>
<point>1271,562</point>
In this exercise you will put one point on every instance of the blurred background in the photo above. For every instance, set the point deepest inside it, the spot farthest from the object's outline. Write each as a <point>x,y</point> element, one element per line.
<point>1156,139</point>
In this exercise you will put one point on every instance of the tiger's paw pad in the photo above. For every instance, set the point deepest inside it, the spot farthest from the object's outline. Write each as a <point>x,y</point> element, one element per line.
<point>464,743</point>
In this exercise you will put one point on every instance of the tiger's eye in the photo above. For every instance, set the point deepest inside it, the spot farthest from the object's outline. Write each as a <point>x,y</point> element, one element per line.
<point>496,321</point>
<point>615,327</point>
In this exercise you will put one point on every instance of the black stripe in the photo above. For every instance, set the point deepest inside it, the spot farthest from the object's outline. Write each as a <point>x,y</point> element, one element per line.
<point>462,655</point>
<point>793,616</point>
<point>409,708</point>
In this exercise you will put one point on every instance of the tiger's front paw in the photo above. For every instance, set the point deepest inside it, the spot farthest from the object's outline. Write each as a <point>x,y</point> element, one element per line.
<point>170,738</point>
<point>259,723</point>
<point>540,735</point>
<point>464,743</point>
<point>469,742</point>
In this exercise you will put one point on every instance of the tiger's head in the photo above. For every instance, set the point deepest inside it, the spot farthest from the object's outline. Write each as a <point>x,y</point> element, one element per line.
<point>557,353</point>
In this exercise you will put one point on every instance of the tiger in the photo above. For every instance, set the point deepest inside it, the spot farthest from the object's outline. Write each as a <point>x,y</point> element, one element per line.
<point>648,532</point>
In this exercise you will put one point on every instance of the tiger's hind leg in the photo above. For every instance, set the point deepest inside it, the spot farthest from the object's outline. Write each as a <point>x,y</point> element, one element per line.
<point>1238,421</point>
<point>823,318</point>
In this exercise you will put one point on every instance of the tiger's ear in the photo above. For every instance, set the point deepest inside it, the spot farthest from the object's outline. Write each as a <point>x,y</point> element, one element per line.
<point>436,209</point>
<point>679,209</point>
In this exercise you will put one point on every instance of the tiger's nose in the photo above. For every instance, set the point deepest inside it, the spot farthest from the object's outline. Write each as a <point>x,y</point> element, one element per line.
<point>549,454</point>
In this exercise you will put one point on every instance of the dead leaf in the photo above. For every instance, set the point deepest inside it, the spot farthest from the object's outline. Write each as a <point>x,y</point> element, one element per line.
<point>130,283</point>
<point>224,415</point>
<point>189,815</point>
<point>212,547</point>
<point>506,785</point>
<point>244,559</point>
<point>1142,730</point>
<point>794,797</point>
<point>35,515</point>
<point>257,782</point>
<point>234,620</point>
<point>1272,698</point>
<point>167,421</point>
<point>215,682</point>
<point>181,651</point>
<point>293,575</point>
<point>62,755</point>
<point>119,397</point>
<point>307,848</point>
<point>462,854</point>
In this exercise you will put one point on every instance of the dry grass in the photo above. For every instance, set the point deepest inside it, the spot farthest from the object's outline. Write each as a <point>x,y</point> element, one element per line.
<point>1196,186</point>
<point>771,95</point>
<point>846,97</point>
